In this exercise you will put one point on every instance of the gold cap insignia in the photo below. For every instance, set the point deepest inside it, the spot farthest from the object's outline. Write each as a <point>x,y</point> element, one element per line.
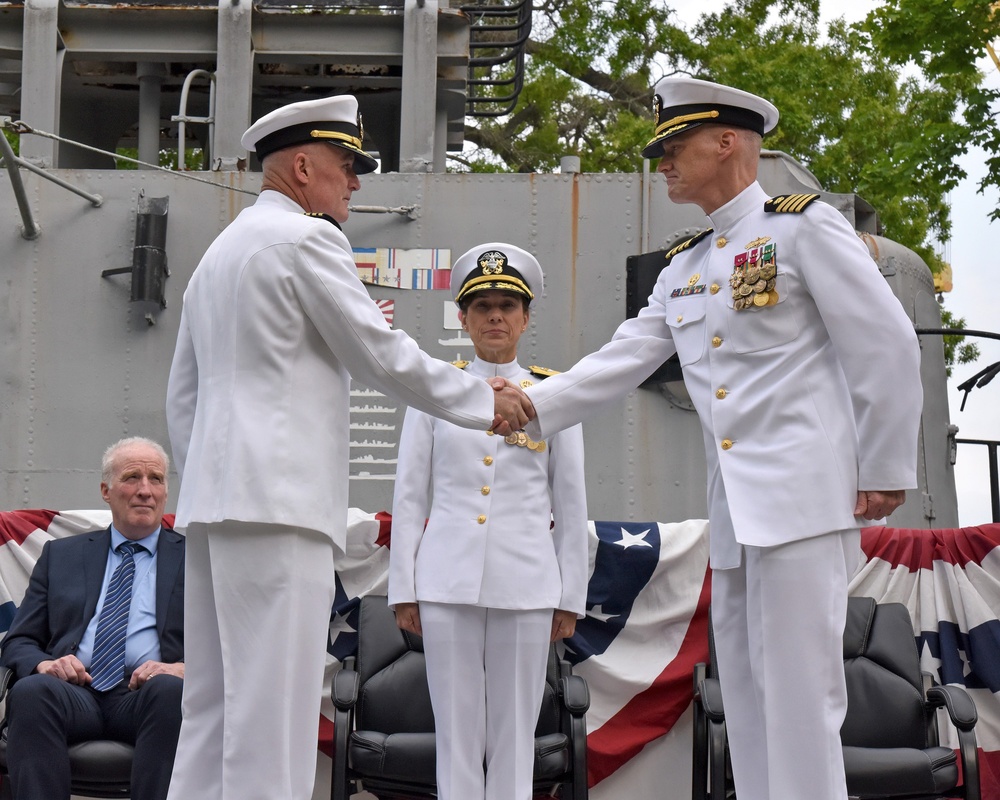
<point>492,262</point>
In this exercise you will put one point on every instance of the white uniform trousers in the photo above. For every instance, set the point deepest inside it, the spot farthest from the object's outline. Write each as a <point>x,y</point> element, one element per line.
<point>486,674</point>
<point>256,622</point>
<point>779,625</point>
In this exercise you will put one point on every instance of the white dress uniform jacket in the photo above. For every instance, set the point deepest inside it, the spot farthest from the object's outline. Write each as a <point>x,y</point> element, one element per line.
<point>802,402</point>
<point>490,505</point>
<point>275,323</point>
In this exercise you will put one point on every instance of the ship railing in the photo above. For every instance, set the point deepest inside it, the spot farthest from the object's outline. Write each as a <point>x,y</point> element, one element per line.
<point>977,381</point>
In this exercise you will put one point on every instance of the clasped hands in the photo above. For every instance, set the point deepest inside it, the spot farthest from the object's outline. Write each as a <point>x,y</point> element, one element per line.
<point>512,408</point>
<point>69,668</point>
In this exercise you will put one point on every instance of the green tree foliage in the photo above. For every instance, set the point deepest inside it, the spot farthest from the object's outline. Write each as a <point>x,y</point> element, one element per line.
<point>883,108</point>
<point>853,119</point>
<point>14,139</point>
<point>944,39</point>
<point>166,158</point>
<point>587,88</point>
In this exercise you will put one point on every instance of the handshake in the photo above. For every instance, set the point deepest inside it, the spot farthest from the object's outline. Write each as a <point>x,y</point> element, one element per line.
<point>511,406</point>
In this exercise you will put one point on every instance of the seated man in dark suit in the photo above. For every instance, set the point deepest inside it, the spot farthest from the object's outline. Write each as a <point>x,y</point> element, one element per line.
<point>89,669</point>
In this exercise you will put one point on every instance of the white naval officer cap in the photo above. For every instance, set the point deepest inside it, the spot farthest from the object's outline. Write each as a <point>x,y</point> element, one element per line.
<point>496,265</point>
<point>681,103</point>
<point>334,120</point>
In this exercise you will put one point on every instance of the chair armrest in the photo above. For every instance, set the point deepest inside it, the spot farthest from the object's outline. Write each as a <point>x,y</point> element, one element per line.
<point>710,694</point>
<point>700,672</point>
<point>6,676</point>
<point>575,694</point>
<point>346,684</point>
<point>961,708</point>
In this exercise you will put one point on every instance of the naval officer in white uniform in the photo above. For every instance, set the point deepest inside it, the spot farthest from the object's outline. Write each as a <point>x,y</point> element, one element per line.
<point>501,569</point>
<point>274,325</point>
<point>805,372</point>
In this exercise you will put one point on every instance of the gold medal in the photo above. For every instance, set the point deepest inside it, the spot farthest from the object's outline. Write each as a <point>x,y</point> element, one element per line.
<point>541,447</point>
<point>772,298</point>
<point>760,286</point>
<point>770,285</point>
<point>768,271</point>
<point>753,275</point>
<point>522,439</point>
<point>532,444</point>
<point>745,290</point>
<point>510,438</point>
<point>761,299</point>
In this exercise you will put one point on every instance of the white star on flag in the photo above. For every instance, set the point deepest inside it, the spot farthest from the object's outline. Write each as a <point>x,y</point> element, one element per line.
<point>630,539</point>
<point>598,613</point>
<point>339,625</point>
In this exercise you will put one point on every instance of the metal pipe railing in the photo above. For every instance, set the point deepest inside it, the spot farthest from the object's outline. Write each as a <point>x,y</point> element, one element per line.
<point>30,229</point>
<point>182,118</point>
<point>978,380</point>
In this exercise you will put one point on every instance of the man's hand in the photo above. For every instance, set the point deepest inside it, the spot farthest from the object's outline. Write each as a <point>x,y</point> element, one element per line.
<point>408,617</point>
<point>150,669</point>
<point>875,505</point>
<point>67,668</point>
<point>563,624</point>
<point>513,410</point>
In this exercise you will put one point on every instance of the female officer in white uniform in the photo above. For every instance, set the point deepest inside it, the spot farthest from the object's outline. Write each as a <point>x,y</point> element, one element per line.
<point>501,568</point>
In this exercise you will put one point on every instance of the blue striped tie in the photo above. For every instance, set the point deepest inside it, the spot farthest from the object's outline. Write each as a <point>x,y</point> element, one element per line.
<point>107,667</point>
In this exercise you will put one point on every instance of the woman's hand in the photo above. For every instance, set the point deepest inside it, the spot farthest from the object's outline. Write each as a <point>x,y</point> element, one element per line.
<point>408,617</point>
<point>563,624</point>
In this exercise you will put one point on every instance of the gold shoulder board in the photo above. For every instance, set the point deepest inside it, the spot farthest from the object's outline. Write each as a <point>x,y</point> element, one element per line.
<point>542,372</point>
<point>789,203</point>
<point>460,364</point>
<point>321,215</point>
<point>686,244</point>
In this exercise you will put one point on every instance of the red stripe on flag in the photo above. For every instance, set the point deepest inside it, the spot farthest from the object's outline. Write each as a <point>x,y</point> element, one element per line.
<point>919,549</point>
<point>325,742</point>
<point>384,528</point>
<point>16,526</point>
<point>652,712</point>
